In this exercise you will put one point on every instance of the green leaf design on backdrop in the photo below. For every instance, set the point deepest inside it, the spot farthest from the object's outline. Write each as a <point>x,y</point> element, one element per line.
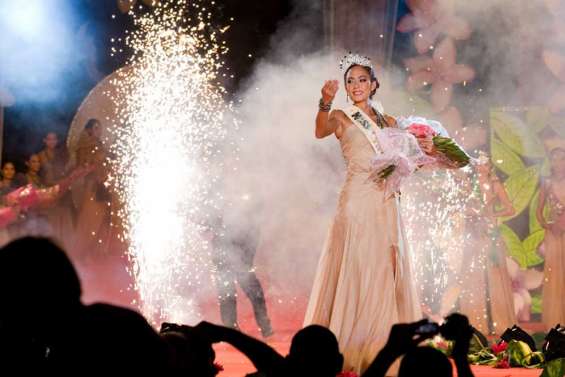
<point>531,244</point>
<point>538,117</point>
<point>536,303</point>
<point>504,158</point>
<point>525,253</point>
<point>520,187</point>
<point>534,223</point>
<point>502,127</point>
<point>556,123</point>
<point>516,134</point>
<point>513,244</point>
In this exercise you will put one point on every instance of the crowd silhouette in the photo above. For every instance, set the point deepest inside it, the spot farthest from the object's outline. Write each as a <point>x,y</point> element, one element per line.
<point>45,328</point>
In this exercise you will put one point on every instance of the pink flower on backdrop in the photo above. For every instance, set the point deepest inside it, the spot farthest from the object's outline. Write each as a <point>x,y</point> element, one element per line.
<point>451,119</point>
<point>523,281</point>
<point>553,5</point>
<point>431,18</point>
<point>440,71</point>
<point>555,62</point>
<point>469,137</point>
<point>541,249</point>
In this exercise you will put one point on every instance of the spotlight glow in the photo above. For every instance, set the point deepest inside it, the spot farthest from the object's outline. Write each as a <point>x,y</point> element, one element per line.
<point>435,206</point>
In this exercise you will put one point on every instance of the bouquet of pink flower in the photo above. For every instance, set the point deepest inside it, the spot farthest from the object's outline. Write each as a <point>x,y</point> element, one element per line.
<point>420,130</point>
<point>405,151</point>
<point>400,159</point>
<point>446,150</point>
<point>23,197</point>
<point>390,170</point>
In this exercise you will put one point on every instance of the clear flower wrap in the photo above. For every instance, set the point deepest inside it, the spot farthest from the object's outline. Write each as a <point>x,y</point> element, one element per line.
<point>402,154</point>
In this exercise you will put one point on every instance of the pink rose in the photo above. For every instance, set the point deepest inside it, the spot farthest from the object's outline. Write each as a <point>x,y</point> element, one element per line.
<point>498,348</point>
<point>503,364</point>
<point>421,130</point>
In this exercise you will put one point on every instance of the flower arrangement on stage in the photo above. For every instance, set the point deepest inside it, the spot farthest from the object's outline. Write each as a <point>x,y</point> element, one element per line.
<point>498,355</point>
<point>515,349</point>
<point>506,355</point>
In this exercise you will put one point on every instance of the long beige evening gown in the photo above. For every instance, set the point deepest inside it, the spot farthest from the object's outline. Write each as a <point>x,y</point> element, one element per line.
<point>364,283</point>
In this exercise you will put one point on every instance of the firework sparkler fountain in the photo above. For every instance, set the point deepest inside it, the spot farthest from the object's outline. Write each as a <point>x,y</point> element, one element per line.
<point>171,133</point>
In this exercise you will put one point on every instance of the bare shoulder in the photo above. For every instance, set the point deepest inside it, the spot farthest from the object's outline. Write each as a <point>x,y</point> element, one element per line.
<point>338,115</point>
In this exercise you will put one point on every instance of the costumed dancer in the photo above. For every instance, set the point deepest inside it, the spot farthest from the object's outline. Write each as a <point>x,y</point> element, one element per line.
<point>92,198</point>
<point>54,161</point>
<point>482,285</point>
<point>552,194</point>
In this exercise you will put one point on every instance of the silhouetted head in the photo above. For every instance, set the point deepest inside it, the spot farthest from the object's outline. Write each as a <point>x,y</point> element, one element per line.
<point>39,287</point>
<point>315,351</point>
<point>425,361</point>
<point>189,354</point>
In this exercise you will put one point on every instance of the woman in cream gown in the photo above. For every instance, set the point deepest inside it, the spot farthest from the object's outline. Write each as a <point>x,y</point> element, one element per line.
<point>363,284</point>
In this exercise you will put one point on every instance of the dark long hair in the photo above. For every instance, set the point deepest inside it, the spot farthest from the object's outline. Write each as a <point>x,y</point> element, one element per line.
<point>90,123</point>
<point>553,152</point>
